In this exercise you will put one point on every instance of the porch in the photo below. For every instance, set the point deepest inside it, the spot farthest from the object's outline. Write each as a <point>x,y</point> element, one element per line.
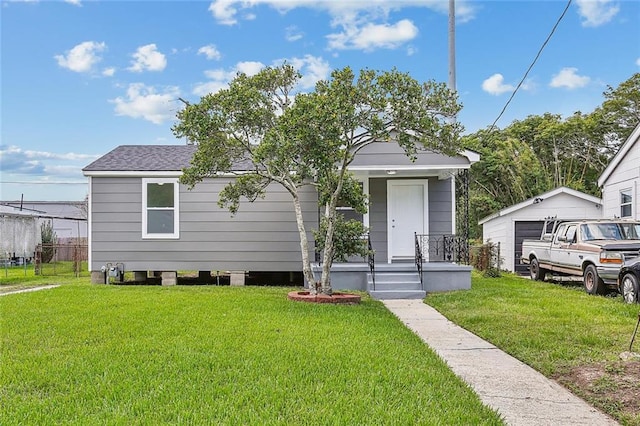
<point>439,264</point>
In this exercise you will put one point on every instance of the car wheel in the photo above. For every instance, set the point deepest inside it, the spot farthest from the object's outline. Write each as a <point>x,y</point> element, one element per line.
<point>593,284</point>
<point>535,271</point>
<point>629,288</point>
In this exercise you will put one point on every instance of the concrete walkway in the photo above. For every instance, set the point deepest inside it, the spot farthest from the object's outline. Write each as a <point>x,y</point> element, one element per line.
<point>519,393</point>
<point>29,290</point>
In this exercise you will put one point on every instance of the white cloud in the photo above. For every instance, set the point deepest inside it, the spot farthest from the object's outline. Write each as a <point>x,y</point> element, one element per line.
<point>372,36</point>
<point>312,68</point>
<point>210,51</point>
<point>597,12</point>
<point>495,85</point>
<point>226,11</point>
<point>638,62</point>
<point>293,33</point>
<point>220,78</point>
<point>74,2</point>
<point>17,161</point>
<point>109,72</point>
<point>143,101</point>
<point>148,58</point>
<point>569,79</point>
<point>249,67</point>
<point>82,57</point>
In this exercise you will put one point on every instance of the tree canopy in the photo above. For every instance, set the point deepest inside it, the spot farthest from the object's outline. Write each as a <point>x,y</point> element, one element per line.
<point>543,152</point>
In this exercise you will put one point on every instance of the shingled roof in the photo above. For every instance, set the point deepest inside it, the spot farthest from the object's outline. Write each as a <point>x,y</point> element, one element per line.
<point>144,158</point>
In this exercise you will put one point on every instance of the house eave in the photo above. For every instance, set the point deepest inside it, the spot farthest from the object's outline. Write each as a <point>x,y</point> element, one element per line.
<point>613,164</point>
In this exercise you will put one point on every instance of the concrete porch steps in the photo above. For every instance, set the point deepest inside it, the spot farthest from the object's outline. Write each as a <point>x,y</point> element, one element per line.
<point>395,284</point>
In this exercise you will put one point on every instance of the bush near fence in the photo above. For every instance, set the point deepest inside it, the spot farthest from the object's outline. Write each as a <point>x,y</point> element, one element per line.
<point>486,258</point>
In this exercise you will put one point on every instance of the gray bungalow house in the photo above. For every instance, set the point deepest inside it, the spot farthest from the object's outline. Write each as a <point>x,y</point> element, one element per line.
<point>141,219</point>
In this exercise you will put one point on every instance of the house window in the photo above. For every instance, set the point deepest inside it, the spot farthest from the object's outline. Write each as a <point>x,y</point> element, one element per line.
<point>626,203</point>
<point>160,215</point>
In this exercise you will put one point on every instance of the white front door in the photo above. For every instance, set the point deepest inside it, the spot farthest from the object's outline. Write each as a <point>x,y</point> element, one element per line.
<point>406,215</point>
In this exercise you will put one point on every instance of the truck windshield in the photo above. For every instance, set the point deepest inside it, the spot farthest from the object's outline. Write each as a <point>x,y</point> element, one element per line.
<point>631,231</point>
<point>610,231</point>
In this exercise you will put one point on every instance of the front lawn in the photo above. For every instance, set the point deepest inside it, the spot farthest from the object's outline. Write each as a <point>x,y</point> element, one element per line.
<point>558,330</point>
<point>95,354</point>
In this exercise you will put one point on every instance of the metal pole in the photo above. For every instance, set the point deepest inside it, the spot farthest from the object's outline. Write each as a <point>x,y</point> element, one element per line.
<point>634,333</point>
<point>452,45</point>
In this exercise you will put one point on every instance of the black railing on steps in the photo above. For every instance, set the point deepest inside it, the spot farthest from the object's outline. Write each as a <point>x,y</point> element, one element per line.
<point>419,259</point>
<point>371,260</point>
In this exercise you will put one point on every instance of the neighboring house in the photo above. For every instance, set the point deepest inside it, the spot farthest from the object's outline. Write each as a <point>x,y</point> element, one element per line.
<point>141,217</point>
<point>620,181</point>
<point>19,234</point>
<point>69,218</point>
<point>511,225</point>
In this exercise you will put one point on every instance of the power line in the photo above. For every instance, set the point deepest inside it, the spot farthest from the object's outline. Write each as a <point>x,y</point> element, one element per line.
<point>553,30</point>
<point>26,182</point>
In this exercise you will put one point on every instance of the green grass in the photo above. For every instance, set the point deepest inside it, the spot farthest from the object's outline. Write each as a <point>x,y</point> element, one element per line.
<point>93,354</point>
<point>548,326</point>
<point>551,327</point>
<point>14,277</point>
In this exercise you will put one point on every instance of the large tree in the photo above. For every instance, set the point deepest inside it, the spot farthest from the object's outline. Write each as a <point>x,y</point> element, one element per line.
<point>542,152</point>
<point>300,139</point>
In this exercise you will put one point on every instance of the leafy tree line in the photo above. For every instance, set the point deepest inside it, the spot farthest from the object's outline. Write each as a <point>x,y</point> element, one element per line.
<point>543,152</point>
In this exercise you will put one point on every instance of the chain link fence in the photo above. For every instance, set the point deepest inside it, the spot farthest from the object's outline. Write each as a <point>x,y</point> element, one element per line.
<point>62,259</point>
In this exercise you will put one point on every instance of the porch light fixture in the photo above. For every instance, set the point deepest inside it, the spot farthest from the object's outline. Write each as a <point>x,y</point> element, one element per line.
<point>391,172</point>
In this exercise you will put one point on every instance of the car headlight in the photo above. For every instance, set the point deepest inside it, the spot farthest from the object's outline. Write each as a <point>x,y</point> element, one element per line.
<point>611,257</point>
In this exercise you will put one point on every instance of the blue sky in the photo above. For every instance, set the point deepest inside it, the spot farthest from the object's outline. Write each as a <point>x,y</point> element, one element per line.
<point>82,77</point>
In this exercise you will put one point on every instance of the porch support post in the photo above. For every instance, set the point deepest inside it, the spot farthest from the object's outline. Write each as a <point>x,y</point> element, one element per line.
<point>463,222</point>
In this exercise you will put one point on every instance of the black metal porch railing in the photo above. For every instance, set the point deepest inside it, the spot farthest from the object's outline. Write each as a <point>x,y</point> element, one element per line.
<point>371,260</point>
<point>443,248</point>
<point>419,258</point>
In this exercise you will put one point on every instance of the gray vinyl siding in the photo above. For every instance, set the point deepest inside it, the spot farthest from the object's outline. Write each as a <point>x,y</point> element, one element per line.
<point>262,236</point>
<point>378,217</point>
<point>440,213</point>
<point>440,206</point>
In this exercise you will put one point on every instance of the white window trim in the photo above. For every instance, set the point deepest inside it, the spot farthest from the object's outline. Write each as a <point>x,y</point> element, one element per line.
<point>630,203</point>
<point>176,208</point>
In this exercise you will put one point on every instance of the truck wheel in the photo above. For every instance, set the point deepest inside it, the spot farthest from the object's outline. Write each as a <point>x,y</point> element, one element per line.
<point>535,271</point>
<point>629,288</point>
<point>593,284</point>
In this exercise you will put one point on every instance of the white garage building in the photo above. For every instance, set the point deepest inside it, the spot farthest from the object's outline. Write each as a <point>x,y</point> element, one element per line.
<point>525,220</point>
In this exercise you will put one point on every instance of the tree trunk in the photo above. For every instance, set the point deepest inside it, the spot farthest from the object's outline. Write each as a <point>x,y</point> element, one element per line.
<point>327,254</point>
<point>304,245</point>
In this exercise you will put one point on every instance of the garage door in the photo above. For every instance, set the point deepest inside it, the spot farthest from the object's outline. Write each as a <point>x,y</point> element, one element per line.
<point>525,230</point>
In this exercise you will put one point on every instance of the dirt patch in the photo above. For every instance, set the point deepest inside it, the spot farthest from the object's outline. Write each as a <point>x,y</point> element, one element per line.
<point>613,387</point>
<point>338,298</point>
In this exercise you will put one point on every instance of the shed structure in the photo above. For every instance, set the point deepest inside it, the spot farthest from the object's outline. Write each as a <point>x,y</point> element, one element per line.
<point>525,220</point>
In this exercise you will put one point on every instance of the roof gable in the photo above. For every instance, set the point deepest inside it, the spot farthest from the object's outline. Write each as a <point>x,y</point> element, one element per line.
<point>539,198</point>
<point>620,155</point>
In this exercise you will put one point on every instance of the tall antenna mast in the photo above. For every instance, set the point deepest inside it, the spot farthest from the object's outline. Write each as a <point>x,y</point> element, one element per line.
<point>452,45</point>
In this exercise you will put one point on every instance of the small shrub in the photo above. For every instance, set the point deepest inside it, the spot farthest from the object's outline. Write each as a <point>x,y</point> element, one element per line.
<point>486,258</point>
<point>49,239</point>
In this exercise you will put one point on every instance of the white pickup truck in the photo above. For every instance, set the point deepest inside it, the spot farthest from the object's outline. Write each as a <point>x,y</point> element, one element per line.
<point>592,249</point>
